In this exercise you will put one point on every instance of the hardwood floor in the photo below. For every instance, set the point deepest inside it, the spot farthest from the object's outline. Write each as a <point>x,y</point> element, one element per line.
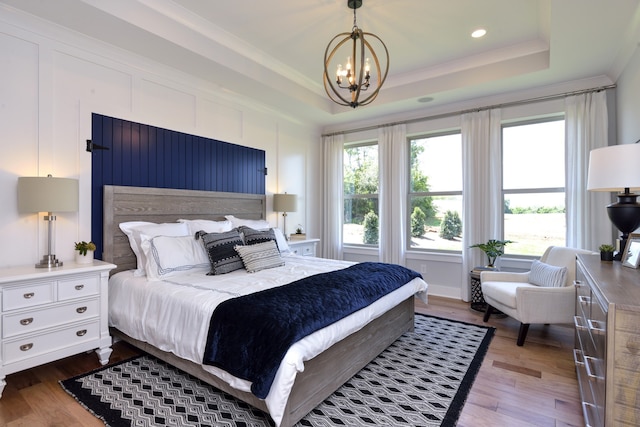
<point>533,385</point>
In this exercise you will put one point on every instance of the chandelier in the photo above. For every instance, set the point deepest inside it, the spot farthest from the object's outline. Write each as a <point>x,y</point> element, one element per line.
<point>356,75</point>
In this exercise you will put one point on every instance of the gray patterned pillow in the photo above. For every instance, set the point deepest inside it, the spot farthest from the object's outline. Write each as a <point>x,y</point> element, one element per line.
<point>542,274</point>
<point>251,236</point>
<point>260,256</point>
<point>221,250</point>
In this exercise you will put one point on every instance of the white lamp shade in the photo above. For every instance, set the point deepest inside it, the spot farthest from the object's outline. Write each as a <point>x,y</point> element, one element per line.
<point>47,194</point>
<point>285,202</point>
<point>614,168</point>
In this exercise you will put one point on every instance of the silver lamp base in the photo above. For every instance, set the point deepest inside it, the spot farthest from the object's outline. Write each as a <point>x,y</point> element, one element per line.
<point>49,261</point>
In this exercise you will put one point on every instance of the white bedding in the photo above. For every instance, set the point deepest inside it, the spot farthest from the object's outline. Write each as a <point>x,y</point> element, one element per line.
<point>173,315</point>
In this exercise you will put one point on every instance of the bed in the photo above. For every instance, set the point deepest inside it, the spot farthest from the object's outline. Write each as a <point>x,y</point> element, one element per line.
<point>357,339</point>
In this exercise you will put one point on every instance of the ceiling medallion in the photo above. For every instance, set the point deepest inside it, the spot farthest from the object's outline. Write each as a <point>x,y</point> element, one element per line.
<point>356,75</point>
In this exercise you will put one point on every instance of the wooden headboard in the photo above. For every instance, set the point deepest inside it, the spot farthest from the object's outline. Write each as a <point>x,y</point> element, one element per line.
<point>122,204</point>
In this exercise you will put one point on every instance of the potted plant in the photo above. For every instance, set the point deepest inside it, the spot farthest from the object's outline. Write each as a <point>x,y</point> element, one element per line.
<point>493,249</point>
<point>606,252</point>
<point>84,252</point>
<point>299,234</point>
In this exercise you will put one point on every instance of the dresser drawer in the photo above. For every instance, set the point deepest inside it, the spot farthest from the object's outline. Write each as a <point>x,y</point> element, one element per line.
<point>77,287</point>
<point>306,249</point>
<point>28,295</point>
<point>36,345</point>
<point>34,320</point>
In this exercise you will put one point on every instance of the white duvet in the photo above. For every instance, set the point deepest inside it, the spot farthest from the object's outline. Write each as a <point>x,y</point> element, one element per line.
<point>173,315</point>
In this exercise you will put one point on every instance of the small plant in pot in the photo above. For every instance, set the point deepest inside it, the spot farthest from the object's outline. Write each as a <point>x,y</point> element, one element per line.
<point>84,252</point>
<point>493,249</point>
<point>606,252</point>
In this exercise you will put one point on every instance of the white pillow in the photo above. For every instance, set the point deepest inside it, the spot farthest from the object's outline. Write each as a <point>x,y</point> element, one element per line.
<point>260,256</point>
<point>256,224</point>
<point>283,245</point>
<point>133,229</point>
<point>209,226</point>
<point>546,275</point>
<point>167,256</point>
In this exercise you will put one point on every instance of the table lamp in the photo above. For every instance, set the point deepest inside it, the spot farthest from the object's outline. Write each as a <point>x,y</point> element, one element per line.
<point>615,169</point>
<point>285,203</point>
<point>47,194</point>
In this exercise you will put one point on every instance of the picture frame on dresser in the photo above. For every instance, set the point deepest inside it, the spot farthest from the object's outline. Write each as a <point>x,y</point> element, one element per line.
<point>631,255</point>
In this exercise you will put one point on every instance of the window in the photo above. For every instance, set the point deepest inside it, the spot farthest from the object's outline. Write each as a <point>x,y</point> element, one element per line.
<point>360,222</point>
<point>533,184</point>
<point>435,192</point>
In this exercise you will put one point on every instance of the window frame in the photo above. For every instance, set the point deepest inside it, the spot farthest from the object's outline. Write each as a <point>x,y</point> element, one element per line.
<point>411,194</point>
<point>536,190</point>
<point>357,196</point>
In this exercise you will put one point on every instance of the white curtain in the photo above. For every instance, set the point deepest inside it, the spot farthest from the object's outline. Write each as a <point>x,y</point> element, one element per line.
<point>482,186</point>
<point>392,199</point>
<point>333,147</point>
<point>586,128</point>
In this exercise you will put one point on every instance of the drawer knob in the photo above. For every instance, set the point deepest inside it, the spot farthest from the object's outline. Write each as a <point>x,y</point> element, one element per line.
<point>79,287</point>
<point>26,347</point>
<point>81,310</point>
<point>578,357</point>
<point>583,299</point>
<point>29,295</point>
<point>590,366</point>
<point>596,327</point>
<point>27,321</point>
<point>81,332</point>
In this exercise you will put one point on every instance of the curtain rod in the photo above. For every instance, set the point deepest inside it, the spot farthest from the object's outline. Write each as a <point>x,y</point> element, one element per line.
<point>472,110</point>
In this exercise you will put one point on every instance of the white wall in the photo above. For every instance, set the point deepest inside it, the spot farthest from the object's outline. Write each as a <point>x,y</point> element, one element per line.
<point>628,97</point>
<point>53,79</point>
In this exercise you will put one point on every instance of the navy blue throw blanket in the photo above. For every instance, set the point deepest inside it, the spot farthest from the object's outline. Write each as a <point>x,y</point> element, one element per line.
<point>249,335</point>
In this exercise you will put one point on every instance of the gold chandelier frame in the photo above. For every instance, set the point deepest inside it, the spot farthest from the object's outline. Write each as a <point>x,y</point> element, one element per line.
<point>359,45</point>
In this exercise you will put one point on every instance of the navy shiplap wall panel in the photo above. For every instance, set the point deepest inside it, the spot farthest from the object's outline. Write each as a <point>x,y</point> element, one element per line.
<point>147,156</point>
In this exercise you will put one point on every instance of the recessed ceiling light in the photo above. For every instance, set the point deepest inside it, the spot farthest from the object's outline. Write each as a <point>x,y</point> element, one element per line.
<point>478,33</point>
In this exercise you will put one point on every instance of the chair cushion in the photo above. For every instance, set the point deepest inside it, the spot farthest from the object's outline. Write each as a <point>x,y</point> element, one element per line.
<point>503,292</point>
<point>546,275</point>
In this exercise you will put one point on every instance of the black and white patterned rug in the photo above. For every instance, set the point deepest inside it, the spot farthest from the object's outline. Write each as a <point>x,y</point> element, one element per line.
<point>422,379</point>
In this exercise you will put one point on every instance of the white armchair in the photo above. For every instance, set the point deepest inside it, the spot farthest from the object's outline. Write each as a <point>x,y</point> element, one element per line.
<point>542,301</point>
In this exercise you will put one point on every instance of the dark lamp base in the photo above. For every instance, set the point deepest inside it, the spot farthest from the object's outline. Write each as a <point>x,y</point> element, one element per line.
<point>625,215</point>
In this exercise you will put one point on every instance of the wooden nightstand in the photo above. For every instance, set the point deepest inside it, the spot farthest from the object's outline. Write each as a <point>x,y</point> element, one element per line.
<point>48,314</point>
<point>304,247</point>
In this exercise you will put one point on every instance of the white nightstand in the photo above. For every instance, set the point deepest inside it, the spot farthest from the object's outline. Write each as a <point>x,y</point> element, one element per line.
<point>48,314</point>
<point>304,247</point>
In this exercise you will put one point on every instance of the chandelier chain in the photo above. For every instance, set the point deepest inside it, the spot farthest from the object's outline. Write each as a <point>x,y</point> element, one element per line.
<point>355,24</point>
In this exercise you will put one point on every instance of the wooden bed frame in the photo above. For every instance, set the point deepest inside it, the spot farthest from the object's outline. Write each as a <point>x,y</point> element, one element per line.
<point>323,374</point>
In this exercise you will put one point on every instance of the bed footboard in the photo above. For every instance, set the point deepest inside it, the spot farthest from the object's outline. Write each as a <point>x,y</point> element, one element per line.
<point>323,374</point>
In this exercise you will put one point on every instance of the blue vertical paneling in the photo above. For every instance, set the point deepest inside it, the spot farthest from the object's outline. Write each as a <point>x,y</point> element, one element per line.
<point>147,156</point>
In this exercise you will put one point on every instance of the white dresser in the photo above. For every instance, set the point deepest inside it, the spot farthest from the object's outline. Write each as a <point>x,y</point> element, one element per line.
<point>48,314</point>
<point>305,247</point>
<point>607,346</point>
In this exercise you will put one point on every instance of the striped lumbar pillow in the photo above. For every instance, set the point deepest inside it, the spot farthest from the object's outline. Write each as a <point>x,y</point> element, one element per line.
<point>542,274</point>
<point>260,256</point>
